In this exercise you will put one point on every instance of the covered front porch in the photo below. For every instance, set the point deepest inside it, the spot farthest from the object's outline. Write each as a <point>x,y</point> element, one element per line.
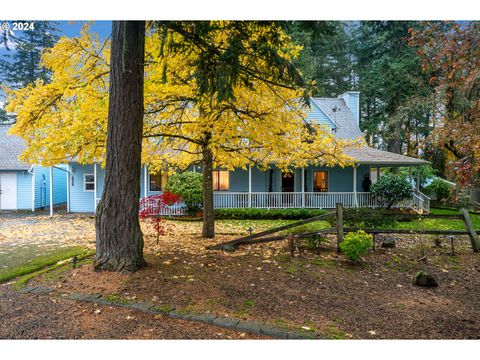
<point>312,187</point>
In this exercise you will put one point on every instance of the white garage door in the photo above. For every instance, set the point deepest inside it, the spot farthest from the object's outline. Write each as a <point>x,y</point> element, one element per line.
<point>8,191</point>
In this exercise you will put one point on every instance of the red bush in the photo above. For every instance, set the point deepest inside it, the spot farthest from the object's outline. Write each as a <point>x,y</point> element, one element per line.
<point>151,208</point>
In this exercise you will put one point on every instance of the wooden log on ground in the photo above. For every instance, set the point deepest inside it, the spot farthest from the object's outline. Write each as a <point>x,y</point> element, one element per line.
<point>471,230</point>
<point>230,245</point>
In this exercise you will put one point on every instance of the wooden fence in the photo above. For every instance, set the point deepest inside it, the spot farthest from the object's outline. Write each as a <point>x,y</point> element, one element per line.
<point>340,230</point>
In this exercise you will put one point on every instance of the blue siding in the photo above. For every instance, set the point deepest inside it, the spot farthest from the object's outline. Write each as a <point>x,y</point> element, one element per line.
<point>339,180</point>
<point>317,115</point>
<point>24,190</point>
<point>42,196</point>
<point>352,99</point>
<point>80,200</point>
<point>42,186</point>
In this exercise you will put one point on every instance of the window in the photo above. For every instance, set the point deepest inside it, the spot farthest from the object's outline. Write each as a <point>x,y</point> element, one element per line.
<point>320,181</point>
<point>158,181</point>
<point>88,182</point>
<point>221,180</point>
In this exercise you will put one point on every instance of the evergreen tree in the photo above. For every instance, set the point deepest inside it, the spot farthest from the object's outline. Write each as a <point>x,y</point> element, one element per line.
<point>326,57</point>
<point>396,101</point>
<point>22,66</point>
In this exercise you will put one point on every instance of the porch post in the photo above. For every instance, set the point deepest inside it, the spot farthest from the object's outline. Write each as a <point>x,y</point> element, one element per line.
<point>68,187</point>
<point>355,200</point>
<point>94,188</point>
<point>249,186</point>
<point>418,178</point>
<point>145,175</point>
<point>303,187</point>
<point>51,191</point>
<point>33,189</point>
<point>410,175</point>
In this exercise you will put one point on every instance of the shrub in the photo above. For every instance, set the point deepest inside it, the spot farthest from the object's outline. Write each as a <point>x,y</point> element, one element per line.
<point>370,218</point>
<point>187,185</point>
<point>392,188</point>
<point>151,207</point>
<point>356,244</point>
<point>438,189</point>
<point>267,214</point>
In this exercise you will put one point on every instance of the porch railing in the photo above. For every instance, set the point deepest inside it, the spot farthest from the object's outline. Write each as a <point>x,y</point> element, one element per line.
<point>314,200</point>
<point>327,200</point>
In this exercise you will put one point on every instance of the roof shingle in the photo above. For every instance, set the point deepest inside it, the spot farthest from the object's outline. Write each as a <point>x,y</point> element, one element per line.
<point>10,149</point>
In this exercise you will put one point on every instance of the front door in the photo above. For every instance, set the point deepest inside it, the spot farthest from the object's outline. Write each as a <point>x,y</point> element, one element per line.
<point>8,191</point>
<point>288,182</point>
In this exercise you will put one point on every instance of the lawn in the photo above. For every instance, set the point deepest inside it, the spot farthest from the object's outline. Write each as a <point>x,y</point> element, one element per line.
<point>26,260</point>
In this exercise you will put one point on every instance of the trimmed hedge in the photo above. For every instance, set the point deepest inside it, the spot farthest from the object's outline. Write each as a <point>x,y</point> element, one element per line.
<point>267,214</point>
<point>373,218</point>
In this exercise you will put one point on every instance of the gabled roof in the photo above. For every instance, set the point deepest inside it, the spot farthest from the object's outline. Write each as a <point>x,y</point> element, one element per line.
<point>347,127</point>
<point>10,149</point>
<point>316,113</point>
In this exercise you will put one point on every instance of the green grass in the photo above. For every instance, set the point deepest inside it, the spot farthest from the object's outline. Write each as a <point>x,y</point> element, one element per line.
<point>307,228</point>
<point>61,264</point>
<point>29,266</point>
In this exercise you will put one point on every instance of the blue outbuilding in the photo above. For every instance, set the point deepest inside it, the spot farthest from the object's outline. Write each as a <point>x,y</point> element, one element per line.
<point>27,186</point>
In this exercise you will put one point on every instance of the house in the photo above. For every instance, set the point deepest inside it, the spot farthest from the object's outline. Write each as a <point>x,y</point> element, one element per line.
<point>25,186</point>
<point>312,187</point>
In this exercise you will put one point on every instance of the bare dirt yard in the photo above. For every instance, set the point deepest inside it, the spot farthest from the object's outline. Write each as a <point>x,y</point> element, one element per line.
<point>322,292</point>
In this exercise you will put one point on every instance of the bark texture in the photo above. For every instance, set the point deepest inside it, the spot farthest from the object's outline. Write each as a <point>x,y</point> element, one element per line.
<point>208,230</point>
<point>119,239</point>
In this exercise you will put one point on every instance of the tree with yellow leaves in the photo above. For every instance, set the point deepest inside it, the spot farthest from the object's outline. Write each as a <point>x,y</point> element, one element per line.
<point>219,94</point>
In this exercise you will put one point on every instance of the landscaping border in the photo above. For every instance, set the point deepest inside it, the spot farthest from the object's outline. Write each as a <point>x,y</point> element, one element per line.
<point>231,323</point>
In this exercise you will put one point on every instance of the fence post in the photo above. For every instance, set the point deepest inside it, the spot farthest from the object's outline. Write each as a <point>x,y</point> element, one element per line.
<point>339,208</point>
<point>471,230</point>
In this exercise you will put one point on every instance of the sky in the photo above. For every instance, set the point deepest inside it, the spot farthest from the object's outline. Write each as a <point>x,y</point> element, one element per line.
<point>66,28</point>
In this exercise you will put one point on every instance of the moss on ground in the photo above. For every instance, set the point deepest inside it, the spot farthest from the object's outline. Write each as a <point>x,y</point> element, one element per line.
<point>41,262</point>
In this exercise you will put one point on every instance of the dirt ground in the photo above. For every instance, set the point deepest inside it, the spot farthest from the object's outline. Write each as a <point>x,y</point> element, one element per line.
<point>322,292</point>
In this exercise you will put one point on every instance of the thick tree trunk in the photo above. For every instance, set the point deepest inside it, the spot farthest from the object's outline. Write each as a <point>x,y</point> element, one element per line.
<point>119,237</point>
<point>208,230</point>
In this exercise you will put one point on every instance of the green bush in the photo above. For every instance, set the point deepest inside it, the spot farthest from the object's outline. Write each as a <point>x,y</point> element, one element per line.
<point>267,214</point>
<point>439,189</point>
<point>392,188</point>
<point>356,244</point>
<point>371,218</point>
<point>187,185</point>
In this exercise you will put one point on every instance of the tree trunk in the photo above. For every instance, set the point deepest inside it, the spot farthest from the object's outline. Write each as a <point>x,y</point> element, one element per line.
<point>119,237</point>
<point>208,230</point>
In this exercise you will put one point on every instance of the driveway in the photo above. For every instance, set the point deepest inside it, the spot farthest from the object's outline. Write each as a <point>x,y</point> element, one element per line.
<point>26,235</point>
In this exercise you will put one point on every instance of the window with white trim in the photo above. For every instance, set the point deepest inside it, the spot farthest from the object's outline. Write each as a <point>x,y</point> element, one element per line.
<point>88,182</point>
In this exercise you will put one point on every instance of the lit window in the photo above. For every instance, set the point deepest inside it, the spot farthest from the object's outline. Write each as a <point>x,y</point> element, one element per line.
<point>158,181</point>
<point>320,181</point>
<point>89,182</point>
<point>221,180</point>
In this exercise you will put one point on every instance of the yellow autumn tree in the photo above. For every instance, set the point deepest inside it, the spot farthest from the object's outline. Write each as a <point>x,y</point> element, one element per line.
<point>263,123</point>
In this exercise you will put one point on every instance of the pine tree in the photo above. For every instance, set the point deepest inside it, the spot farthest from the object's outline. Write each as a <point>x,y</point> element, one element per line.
<point>22,66</point>
<point>326,56</point>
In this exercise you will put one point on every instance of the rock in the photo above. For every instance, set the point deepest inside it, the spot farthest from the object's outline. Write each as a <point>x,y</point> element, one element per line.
<point>389,244</point>
<point>228,248</point>
<point>249,327</point>
<point>226,322</point>
<point>421,278</point>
